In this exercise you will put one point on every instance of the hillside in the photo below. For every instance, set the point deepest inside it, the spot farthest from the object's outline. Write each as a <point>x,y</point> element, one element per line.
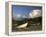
<point>34,24</point>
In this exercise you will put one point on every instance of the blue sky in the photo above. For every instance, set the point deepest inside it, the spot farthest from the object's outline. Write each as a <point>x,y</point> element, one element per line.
<point>22,10</point>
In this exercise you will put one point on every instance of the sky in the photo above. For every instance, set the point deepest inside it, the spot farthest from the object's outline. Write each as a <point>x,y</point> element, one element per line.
<point>20,11</point>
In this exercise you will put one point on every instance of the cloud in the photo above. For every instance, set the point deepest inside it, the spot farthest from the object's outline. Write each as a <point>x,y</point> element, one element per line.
<point>18,15</point>
<point>35,13</point>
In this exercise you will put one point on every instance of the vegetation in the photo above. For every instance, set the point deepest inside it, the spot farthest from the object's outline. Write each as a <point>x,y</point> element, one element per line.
<point>34,24</point>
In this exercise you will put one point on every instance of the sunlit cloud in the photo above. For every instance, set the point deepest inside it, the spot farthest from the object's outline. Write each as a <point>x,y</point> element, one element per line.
<point>35,13</point>
<point>30,15</point>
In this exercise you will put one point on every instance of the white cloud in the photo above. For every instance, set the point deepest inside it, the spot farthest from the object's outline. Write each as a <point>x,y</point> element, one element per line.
<point>35,13</point>
<point>18,15</point>
<point>30,15</point>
